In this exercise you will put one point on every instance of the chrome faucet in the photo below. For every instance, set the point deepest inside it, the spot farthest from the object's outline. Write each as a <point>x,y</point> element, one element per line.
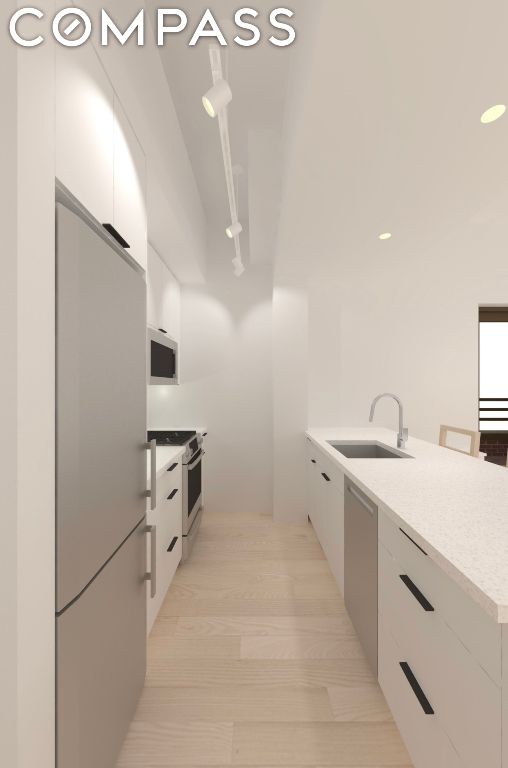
<point>403,431</point>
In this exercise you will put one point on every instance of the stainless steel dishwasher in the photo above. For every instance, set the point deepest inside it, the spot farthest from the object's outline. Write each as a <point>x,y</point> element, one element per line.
<point>360,567</point>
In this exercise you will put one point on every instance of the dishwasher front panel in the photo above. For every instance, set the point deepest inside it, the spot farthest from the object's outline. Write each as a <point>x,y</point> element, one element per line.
<point>361,568</point>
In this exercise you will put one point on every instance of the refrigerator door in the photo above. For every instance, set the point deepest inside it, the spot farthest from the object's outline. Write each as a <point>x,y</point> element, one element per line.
<point>101,402</point>
<point>101,650</point>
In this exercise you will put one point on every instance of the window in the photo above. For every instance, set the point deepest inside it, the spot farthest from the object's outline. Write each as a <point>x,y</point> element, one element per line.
<point>494,369</point>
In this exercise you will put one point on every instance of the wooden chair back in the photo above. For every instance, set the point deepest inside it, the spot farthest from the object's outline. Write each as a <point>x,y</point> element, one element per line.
<point>474,445</point>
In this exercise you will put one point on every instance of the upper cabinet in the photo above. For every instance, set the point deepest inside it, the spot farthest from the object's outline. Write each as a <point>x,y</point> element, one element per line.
<point>129,187</point>
<point>98,156</point>
<point>163,306</point>
<point>85,108</point>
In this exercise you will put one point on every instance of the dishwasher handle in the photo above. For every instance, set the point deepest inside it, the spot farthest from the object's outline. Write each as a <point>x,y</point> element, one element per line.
<point>371,510</point>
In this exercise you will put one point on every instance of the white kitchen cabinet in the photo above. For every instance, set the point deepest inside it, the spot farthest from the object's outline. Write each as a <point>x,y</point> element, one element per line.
<point>129,216</point>
<point>167,518</point>
<point>163,304</point>
<point>452,648</point>
<point>98,157</point>
<point>326,509</point>
<point>85,130</point>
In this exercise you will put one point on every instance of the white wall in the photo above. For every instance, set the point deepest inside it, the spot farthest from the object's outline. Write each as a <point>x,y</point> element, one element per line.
<point>27,305</point>
<point>226,386</point>
<point>8,408</point>
<point>163,296</point>
<point>411,330</point>
<point>36,408</point>
<point>290,396</point>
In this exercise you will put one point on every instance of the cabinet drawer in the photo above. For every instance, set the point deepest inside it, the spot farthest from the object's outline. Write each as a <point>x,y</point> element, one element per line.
<point>475,629</point>
<point>424,738</point>
<point>321,461</point>
<point>326,511</point>
<point>167,517</point>
<point>465,699</point>
<point>168,482</point>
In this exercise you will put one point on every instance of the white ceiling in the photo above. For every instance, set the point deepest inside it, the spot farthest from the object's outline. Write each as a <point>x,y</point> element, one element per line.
<point>376,113</point>
<point>387,135</point>
<point>258,77</point>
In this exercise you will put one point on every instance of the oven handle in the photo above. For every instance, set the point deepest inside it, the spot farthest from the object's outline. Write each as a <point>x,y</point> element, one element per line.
<point>196,462</point>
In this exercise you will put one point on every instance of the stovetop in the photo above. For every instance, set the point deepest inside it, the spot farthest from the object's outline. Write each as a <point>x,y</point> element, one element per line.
<point>175,437</point>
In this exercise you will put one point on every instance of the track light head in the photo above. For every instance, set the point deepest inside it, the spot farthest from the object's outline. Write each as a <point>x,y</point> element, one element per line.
<point>234,230</point>
<point>217,98</point>
<point>239,269</point>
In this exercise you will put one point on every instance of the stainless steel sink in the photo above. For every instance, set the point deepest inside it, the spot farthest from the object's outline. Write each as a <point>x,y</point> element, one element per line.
<point>367,450</point>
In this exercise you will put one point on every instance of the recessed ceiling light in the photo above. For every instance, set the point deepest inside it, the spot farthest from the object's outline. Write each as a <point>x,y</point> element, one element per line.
<point>493,113</point>
<point>385,236</point>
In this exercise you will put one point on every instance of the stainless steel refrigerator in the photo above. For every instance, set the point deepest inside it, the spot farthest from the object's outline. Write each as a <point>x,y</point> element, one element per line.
<point>100,485</point>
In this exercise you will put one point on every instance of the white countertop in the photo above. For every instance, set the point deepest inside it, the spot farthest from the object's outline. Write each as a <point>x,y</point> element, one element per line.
<point>456,506</point>
<point>165,455</point>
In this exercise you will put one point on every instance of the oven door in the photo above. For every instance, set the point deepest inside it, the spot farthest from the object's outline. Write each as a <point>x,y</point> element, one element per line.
<point>192,491</point>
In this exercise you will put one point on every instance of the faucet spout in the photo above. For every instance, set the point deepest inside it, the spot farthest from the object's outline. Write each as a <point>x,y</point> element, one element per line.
<point>403,431</point>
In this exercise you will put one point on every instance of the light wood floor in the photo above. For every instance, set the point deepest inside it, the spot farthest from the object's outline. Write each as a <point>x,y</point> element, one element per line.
<point>253,662</point>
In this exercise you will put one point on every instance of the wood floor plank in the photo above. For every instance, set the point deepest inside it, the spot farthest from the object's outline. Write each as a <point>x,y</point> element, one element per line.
<point>226,585</point>
<point>254,672</point>
<point>245,626</point>
<point>301,647</point>
<point>362,703</point>
<point>177,744</point>
<point>194,647</point>
<point>269,588</point>
<point>170,624</point>
<point>288,606</point>
<point>254,535</point>
<point>235,703</point>
<point>270,566</point>
<point>244,550</point>
<point>325,744</point>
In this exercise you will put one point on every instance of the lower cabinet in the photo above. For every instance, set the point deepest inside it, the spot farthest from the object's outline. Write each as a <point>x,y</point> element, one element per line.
<point>445,697</point>
<point>167,519</point>
<point>441,663</point>
<point>425,740</point>
<point>326,509</point>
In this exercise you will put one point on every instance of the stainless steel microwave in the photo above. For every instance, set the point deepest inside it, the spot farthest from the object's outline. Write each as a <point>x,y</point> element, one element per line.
<point>162,358</point>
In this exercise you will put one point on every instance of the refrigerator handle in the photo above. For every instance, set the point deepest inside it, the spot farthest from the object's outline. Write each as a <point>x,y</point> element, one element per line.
<point>152,493</point>
<point>152,576</point>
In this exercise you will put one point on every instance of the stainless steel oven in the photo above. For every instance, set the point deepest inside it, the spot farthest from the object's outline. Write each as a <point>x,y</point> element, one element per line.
<point>192,480</point>
<point>192,490</point>
<point>192,485</point>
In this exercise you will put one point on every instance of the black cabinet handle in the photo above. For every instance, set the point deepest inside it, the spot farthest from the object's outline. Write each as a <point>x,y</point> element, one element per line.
<point>313,461</point>
<point>172,467</point>
<point>416,593</point>
<point>415,685</point>
<point>172,494</point>
<point>204,434</point>
<point>413,542</point>
<point>116,235</point>
<point>326,477</point>
<point>173,544</point>
<point>163,331</point>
